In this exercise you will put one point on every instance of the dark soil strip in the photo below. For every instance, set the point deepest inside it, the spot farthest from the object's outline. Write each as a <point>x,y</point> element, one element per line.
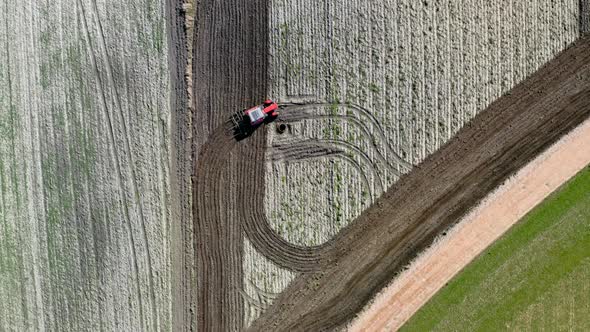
<point>181,239</point>
<point>229,73</point>
<point>497,143</point>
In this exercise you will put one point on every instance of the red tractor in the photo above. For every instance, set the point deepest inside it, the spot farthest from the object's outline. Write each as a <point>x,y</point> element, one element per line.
<point>249,119</point>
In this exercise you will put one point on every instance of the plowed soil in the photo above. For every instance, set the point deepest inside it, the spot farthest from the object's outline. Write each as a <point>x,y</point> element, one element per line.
<point>181,232</point>
<point>405,220</point>
<point>229,74</point>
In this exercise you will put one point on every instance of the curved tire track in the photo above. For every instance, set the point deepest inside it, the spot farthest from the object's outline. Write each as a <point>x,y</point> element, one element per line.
<point>305,107</point>
<point>211,201</point>
<point>296,117</point>
<point>255,223</point>
<point>102,51</point>
<point>295,151</point>
<point>229,73</point>
<point>213,232</point>
<point>298,151</point>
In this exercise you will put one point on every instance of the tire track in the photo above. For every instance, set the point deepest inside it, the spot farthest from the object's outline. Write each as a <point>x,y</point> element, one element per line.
<point>19,255</point>
<point>253,216</point>
<point>364,177</point>
<point>344,158</point>
<point>299,150</point>
<point>293,118</point>
<point>131,166</point>
<point>180,221</point>
<point>375,123</point>
<point>209,229</point>
<point>584,24</point>
<point>262,294</point>
<point>263,299</point>
<point>294,113</point>
<point>255,223</point>
<point>250,202</point>
<point>36,178</point>
<point>257,304</point>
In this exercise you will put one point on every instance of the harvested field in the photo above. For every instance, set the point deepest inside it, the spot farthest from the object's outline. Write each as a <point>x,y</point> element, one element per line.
<point>491,147</point>
<point>84,166</point>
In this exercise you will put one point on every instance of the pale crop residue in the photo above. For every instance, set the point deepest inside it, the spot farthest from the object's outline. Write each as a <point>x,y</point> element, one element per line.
<point>84,86</point>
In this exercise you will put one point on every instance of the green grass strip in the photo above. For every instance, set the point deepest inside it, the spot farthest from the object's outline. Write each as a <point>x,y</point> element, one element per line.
<point>516,272</point>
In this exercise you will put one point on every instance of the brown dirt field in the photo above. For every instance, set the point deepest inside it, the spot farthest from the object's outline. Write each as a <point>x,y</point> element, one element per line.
<point>481,227</point>
<point>405,220</point>
<point>229,74</point>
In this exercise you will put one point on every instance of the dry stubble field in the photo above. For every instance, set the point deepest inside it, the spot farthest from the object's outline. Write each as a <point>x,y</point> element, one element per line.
<point>84,175</point>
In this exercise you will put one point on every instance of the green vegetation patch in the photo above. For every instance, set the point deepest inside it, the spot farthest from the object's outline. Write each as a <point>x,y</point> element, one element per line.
<point>536,276</point>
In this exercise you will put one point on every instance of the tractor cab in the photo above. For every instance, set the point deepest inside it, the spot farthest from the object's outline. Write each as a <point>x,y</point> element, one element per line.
<point>246,121</point>
<point>256,115</point>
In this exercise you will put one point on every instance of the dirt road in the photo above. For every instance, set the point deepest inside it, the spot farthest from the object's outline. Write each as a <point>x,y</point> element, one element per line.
<point>405,220</point>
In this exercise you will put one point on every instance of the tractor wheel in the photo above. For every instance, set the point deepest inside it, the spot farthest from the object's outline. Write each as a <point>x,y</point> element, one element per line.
<point>281,128</point>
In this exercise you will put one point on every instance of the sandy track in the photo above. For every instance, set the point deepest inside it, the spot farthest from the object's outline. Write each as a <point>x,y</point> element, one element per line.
<point>480,228</point>
<point>405,220</point>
